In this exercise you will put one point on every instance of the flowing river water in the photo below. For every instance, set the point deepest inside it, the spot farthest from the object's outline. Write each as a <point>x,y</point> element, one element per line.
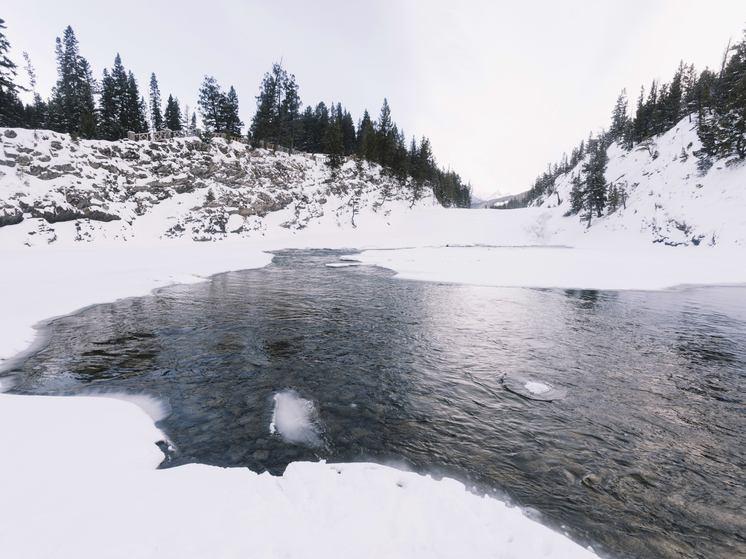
<point>617,417</point>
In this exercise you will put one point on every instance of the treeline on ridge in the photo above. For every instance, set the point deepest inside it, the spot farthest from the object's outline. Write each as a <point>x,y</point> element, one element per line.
<point>84,107</point>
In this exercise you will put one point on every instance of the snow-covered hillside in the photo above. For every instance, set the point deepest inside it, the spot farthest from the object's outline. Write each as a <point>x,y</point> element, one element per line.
<point>54,189</point>
<point>667,199</point>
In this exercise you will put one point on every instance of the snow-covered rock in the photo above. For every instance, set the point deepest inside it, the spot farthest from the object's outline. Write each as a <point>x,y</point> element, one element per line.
<point>175,188</point>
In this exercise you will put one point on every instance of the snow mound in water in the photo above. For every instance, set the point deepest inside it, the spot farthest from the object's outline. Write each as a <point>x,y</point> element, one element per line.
<point>537,387</point>
<point>532,389</point>
<point>294,419</point>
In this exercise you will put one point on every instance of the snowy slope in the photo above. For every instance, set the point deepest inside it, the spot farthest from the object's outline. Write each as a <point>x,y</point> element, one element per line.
<point>668,200</point>
<point>55,190</point>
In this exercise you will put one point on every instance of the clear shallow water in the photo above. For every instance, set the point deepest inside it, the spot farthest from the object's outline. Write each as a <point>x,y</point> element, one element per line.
<point>620,415</point>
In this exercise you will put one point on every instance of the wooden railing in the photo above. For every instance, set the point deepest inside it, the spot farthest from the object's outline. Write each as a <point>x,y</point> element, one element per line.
<point>162,134</point>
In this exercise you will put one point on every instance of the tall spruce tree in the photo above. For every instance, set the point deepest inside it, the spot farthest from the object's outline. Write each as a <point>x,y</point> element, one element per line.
<point>290,112</point>
<point>34,115</point>
<point>172,114</point>
<point>72,108</point>
<point>595,179</point>
<point>156,117</point>
<point>620,122</point>
<point>386,142</point>
<point>119,106</point>
<point>229,114</point>
<point>11,107</point>
<point>134,116</point>
<point>333,145</point>
<point>277,118</point>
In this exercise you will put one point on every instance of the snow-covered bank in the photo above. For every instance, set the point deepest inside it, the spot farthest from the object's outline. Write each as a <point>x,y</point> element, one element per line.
<point>79,480</point>
<point>564,267</point>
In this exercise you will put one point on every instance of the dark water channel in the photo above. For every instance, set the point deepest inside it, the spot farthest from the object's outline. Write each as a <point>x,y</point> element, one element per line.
<point>645,454</point>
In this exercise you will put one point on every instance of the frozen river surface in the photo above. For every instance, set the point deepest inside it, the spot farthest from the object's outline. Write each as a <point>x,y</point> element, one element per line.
<point>618,415</point>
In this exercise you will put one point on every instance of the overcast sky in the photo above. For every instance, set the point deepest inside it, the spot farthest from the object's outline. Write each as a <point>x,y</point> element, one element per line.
<point>500,88</point>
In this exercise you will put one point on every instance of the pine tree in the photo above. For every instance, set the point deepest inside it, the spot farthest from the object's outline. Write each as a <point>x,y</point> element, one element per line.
<point>11,107</point>
<point>333,145</point>
<point>289,109</point>
<point>264,122</point>
<point>348,133</point>
<point>72,98</point>
<point>620,122</point>
<point>577,195</point>
<point>133,116</point>
<point>156,117</point>
<point>595,180</point>
<point>211,105</point>
<point>119,106</point>
<point>385,138</point>
<point>278,119</point>
<point>229,114</point>
<point>172,114</point>
<point>7,66</point>
<point>34,115</point>
<point>366,141</point>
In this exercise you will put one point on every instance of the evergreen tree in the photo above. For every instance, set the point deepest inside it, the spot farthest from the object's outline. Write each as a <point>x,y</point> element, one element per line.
<point>156,117</point>
<point>319,125</point>
<point>134,108</point>
<point>289,118</point>
<point>333,145</point>
<point>577,195</point>
<point>211,105</point>
<point>172,114</point>
<point>620,122</point>
<point>113,102</point>
<point>400,158</point>
<point>348,133</point>
<point>595,180</point>
<point>11,108</point>
<point>229,106</point>
<point>34,115</point>
<point>366,139</point>
<point>386,142</point>
<point>278,119</point>
<point>263,125</point>
<point>72,98</point>
<point>7,66</point>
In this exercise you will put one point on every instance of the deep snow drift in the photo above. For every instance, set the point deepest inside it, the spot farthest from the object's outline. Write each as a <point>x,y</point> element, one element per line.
<point>79,473</point>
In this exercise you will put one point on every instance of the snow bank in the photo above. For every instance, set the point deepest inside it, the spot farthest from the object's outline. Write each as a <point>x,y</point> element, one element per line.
<point>651,267</point>
<point>103,498</point>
